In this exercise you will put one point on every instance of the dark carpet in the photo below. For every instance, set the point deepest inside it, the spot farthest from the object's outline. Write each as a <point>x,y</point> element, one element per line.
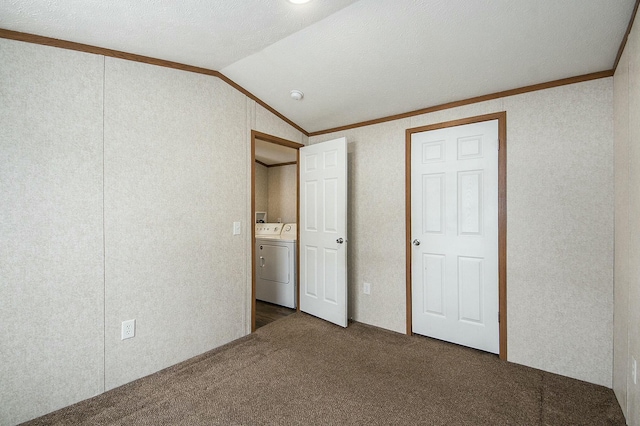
<point>303,371</point>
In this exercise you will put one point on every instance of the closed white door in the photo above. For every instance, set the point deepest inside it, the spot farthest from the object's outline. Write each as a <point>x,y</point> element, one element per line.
<point>454,232</point>
<point>323,230</point>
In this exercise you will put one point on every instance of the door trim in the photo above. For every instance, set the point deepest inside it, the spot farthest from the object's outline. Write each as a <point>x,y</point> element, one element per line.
<point>502,216</point>
<point>284,142</point>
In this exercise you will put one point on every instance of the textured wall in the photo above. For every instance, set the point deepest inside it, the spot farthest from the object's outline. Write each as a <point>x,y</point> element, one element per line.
<point>283,193</point>
<point>262,189</point>
<point>164,156</point>
<point>627,253</point>
<point>51,245</point>
<point>633,398</point>
<point>560,224</point>
<point>560,230</point>
<point>173,144</point>
<point>267,122</point>
<point>621,249</point>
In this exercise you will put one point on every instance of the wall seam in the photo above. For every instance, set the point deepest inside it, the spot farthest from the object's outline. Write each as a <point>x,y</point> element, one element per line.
<point>104,245</point>
<point>628,225</point>
<point>614,256</point>
<point>246,313</point>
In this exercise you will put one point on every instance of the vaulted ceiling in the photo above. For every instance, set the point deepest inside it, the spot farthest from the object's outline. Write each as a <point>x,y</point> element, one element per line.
<point>354,60</point>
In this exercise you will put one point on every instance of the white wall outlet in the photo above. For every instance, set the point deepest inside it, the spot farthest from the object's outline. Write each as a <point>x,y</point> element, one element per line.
<point>236,228</point>
<point>128,329</point>
<point>367,288</point>
<point>634,370</point>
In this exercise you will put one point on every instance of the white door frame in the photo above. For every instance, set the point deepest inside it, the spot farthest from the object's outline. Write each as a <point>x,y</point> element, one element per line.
<point>284,142</point>
<point>502,216</point>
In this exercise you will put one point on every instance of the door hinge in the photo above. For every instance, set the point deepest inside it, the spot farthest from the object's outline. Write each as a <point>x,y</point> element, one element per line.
<point>498,317</point>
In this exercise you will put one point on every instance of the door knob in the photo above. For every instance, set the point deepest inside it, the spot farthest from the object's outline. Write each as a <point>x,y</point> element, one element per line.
<point>416,242</point>
<point>339,241</point>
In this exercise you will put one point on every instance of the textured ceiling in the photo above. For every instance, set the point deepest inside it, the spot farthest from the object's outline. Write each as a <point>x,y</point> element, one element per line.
<point>354,60</point>
<point>206,33</point>
<point>270,154</point>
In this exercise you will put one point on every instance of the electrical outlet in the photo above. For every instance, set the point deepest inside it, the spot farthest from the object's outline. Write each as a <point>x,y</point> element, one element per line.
<point>128,329</point>
<point>634,370</point>
<point>367,288</point>
<point>236,228</point>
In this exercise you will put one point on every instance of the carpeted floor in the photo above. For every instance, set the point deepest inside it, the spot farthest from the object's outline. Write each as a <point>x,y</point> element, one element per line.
<point>303,371</point>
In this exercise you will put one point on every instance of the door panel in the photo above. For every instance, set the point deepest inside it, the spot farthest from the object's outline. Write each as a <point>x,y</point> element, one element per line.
<point>310,208</point>
<point>433,211</point>
<point>309,282</point>
<point>433,284</point>
<point>470,289</point>
<point>323,230</point>
<point>454,215</point>
<point>331,276</point>
<point>470,199</point>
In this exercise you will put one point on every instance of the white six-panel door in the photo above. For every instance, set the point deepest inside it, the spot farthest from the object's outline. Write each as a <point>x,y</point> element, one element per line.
<point>323,230</point>
<point>454,232</point>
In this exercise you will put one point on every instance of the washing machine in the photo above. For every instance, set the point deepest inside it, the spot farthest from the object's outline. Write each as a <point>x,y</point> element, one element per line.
<point>275,262</point>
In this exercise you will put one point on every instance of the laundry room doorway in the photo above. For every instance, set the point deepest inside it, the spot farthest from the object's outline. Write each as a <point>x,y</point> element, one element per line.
<point>316,281</point>
<point>274,234</point>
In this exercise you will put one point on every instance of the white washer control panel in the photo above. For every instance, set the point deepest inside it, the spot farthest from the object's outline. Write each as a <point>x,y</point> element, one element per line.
<point>289,231</point>
<point>268,230</point>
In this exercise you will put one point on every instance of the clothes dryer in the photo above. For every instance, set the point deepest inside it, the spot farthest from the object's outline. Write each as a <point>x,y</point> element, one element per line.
<point>275,260</point>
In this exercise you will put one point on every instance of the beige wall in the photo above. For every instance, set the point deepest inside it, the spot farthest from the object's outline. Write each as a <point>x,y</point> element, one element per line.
<point>267,122</point>
<point>560,225</point>
<point>119,182</point>
<point>262,189</point>
<point>51,240</point>
<point>276,192</point>
<point>282,193</point>
<point>171,194</point>
<point>627,227</point>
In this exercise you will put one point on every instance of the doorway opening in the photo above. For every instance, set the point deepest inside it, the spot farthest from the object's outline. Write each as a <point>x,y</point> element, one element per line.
<point>435,152</point>
<point>277,158</point>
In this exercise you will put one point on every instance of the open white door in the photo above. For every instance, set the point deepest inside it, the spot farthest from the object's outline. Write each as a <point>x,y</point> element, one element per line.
<point>323,230</point>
